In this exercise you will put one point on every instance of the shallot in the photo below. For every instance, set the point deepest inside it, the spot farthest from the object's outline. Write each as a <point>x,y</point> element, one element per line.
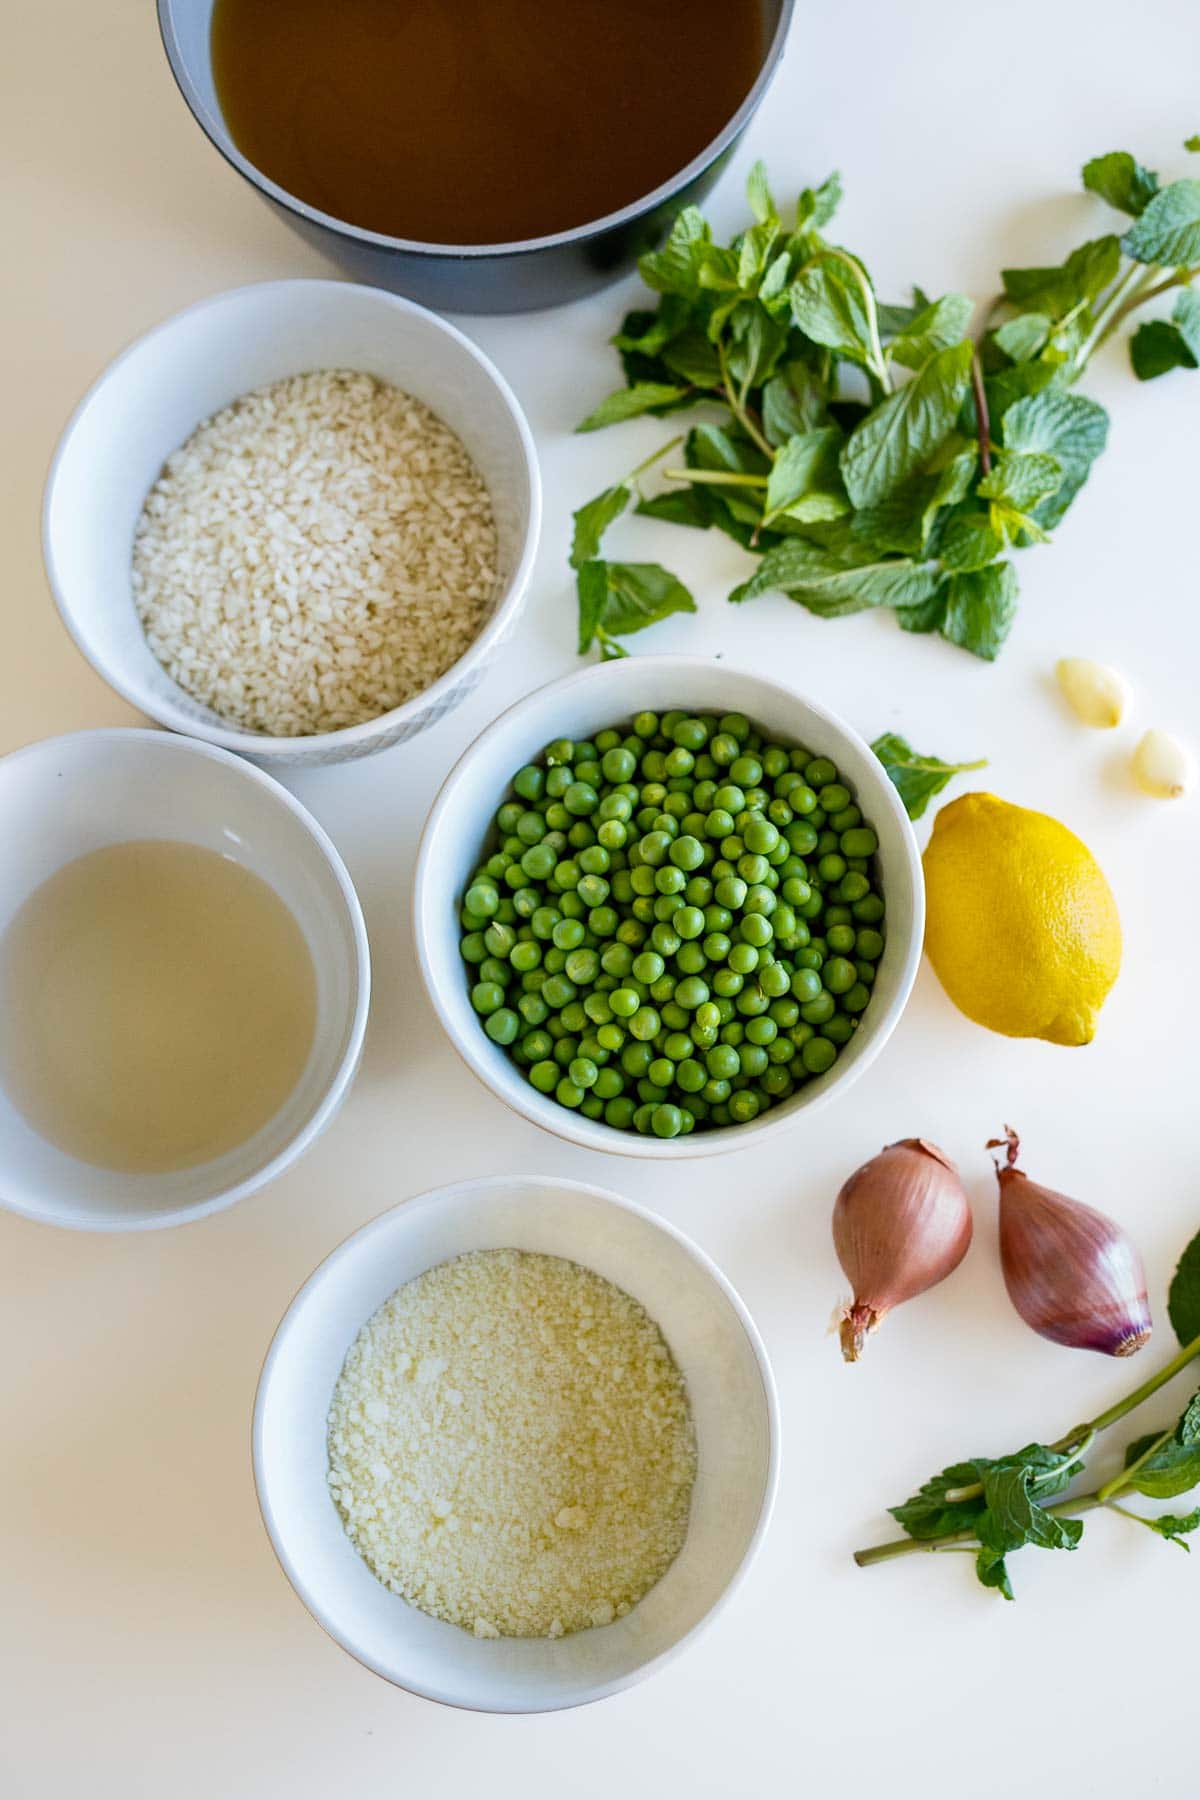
<point>1072,1274</point>
<point>901,1224</point>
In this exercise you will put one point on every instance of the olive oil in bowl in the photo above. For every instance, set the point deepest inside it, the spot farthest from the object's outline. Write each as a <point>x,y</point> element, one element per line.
<point>480,121</point>
<point>159,1005</point>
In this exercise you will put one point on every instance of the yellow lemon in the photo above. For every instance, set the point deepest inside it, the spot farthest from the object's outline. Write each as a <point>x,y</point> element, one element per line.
<point>1022,927</point>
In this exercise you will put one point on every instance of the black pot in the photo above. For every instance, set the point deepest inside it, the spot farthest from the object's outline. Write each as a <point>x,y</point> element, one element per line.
<point>472,278</point>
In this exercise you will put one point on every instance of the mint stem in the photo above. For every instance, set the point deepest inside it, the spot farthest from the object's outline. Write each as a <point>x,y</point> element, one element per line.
<point>982,421</point>
<point>1079,1440</point>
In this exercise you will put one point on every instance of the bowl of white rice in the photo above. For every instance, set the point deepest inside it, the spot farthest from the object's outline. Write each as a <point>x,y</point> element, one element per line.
<point>296,520</point>
<point>516,1444</point>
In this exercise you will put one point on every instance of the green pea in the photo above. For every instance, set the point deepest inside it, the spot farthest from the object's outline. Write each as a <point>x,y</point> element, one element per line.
<point>487,996</point>
<point>666,1121</point>
<point>818,1055</point>
<point>859,842</point>
<point>482,899</point>
<point>743,1106</point>
<point>558,991</point>
<point>761,836</point>
<point>756,929</point>
<point>644,1024</point>
<point>775,980</point>
<point>853,886</point>
<point>817,1011</point>
<point>743,958</point>
<point>502,1025</point>
<point>831,867</point>
<point>722,1062</point>
<point>545,1076</point>
<point>841,939</point>
<point>619,1113</point>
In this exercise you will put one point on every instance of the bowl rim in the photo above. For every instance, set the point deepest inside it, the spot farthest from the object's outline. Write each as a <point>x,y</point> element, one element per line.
<point>593,1134</point>
<point>381,1225</point>
<point>221,139</point>
<point>347,738</point>
<point>347,1067</point>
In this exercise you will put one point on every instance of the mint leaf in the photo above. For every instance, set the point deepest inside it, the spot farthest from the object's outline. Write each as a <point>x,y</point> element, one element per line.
<point>1161,345</point>
<point>1086,273</point>
<point>1192,143</point>
<point>1173,1469</point>
<point>1121,181</point>
<point>1156,348</point>
<point>893,320</point>
<point>928,1514</point>
<point>593,519</point>
<point>679,506</point>
<point>816,206</point>
<point>758,193</point>
<point>832,582</point>
<point>756,342</point>
<point>936,328</point>
<point>1168,231</point>
<point>1068,427</point>
<point>644,334</point>
<point>1022,479</point>
<point>969,541</point>
<point>1013,1518</point>
<point>618,598</point>
<point>675,268</point>
<point>980,608</point>
<point>992,1571</point>
<point>1175,1527</point>
<point>693,357</point>
<point>903,521</point>
<point>630,403</point>
<point>828,305</point>
<point>806,482</point>
<point>754,253</point>
<point>793,400</point>
<point>1023,337</point>
<point>917,779</point>
<point>901,434</point>
<point>1183,1300</point>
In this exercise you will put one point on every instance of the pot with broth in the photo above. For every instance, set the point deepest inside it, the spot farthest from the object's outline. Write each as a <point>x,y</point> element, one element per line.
<point>481,121</point>
<point>482,155</point>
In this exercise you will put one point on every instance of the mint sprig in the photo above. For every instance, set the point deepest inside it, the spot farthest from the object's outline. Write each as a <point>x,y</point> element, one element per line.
<point>873,455</point>
<point>995,1506</point>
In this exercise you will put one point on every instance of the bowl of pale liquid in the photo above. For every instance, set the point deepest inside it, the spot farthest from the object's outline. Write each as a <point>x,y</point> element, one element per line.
<point>184,980</point>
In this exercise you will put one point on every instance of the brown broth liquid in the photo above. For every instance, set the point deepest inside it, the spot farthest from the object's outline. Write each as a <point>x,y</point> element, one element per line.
<point>479,121</point>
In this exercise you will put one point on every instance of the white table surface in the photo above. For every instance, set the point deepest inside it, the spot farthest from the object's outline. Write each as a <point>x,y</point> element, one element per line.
<point>149,1645</point>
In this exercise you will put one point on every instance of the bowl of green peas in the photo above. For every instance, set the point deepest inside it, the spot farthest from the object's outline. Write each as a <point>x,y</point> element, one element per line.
<point>663,906</point>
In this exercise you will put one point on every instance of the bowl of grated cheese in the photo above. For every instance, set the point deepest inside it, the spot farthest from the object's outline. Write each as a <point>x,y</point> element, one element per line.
<point>516,1442</point>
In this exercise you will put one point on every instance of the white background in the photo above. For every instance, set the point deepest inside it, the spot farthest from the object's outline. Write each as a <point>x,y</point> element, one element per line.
<point>149,1646</point>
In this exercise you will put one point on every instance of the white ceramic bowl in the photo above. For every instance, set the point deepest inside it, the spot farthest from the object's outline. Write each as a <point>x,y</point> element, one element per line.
<point>66,796</point>
<point>733,1403</point>
<point>578,706</point>
<point>155,394</point>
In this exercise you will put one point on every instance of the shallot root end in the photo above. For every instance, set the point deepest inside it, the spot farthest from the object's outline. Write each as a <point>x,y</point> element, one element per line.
<point>857,1323</point>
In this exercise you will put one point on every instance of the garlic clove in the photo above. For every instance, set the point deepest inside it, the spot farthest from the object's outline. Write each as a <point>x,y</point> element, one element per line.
<point>1096,694</point>
<point>1162,766</point>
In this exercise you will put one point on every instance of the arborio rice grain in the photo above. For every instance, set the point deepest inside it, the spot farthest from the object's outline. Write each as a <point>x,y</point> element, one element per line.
<point>511,1446</point>
<point>315,554</point>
